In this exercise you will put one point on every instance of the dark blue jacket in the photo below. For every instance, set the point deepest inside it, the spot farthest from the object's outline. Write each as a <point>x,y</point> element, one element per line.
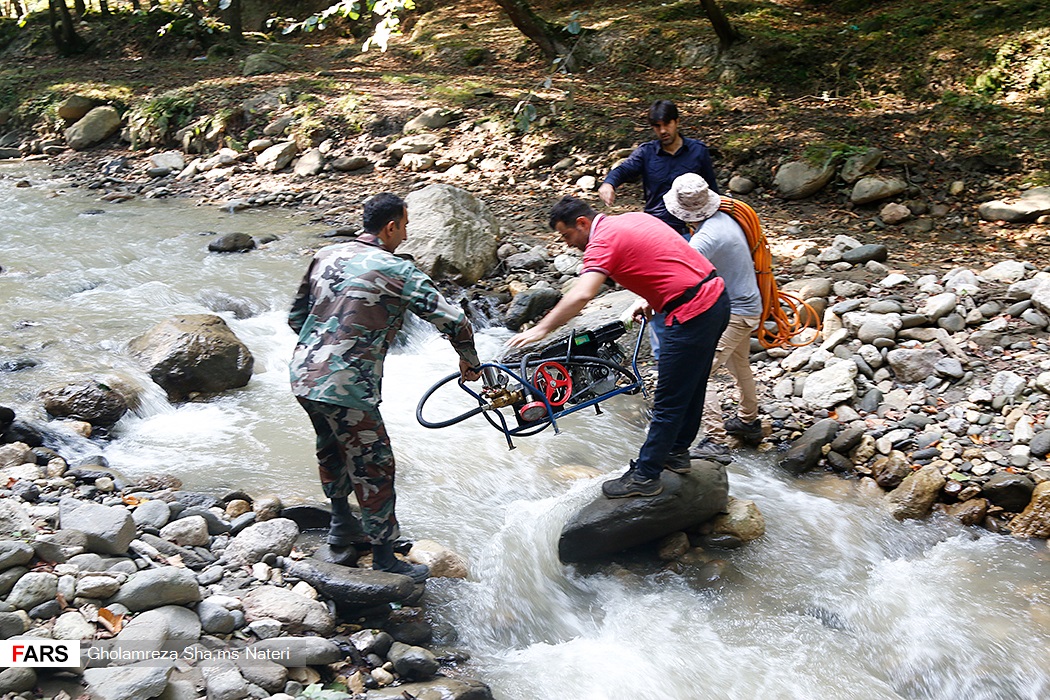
<point>658,170</point>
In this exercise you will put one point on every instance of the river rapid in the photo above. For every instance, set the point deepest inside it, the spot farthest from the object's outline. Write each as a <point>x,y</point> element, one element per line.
<point>837,600</point>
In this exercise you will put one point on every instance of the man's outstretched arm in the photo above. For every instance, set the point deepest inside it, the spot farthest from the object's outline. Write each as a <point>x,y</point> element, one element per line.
<point>585,289</point>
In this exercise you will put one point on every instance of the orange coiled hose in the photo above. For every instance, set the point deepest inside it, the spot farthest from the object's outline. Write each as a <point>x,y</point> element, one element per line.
<point>784,309</point>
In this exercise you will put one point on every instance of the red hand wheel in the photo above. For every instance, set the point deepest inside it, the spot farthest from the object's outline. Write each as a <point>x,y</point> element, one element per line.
<point>554,381</point>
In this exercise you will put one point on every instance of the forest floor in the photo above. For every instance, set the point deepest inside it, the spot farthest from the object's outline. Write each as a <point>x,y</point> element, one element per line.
<point>763,103</point>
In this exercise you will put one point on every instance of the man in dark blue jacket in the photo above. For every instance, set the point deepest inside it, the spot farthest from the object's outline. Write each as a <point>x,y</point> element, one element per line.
<point>659,162</point>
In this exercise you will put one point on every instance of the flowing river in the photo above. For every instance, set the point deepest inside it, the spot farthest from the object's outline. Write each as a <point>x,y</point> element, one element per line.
<point>837,600</point>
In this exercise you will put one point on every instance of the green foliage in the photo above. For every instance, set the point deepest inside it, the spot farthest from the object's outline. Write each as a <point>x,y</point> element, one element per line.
<point>386,11</point>
<point>821,153</point>
<point>1020,64</point>
<point>354,112</point>
<point>8,31</point>
<point>968,101</point>
<point>155,120</point>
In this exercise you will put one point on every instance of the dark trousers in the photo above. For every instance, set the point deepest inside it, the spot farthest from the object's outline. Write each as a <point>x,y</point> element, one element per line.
<point>687,352</point>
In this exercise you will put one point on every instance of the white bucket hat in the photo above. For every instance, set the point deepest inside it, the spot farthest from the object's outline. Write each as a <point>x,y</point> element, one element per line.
<point>690,199</point>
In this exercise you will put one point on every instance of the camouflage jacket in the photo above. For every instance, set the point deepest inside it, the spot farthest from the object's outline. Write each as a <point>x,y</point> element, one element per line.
<point>349,308</point>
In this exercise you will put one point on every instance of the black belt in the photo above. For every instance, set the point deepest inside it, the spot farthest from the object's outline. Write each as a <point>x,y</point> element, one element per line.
<point>688,294</point>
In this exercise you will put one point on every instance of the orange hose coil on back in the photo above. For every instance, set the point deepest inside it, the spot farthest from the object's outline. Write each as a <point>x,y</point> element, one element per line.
<point>782,308</point>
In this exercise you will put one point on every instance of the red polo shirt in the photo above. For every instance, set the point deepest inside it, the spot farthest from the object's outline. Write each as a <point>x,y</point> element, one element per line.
<point>648,257</point>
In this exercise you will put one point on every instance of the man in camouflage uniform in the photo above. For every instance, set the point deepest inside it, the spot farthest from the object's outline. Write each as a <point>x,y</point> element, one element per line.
<point>349,308</point>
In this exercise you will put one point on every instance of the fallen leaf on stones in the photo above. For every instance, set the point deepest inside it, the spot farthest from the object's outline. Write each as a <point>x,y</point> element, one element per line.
<point>112,622</point>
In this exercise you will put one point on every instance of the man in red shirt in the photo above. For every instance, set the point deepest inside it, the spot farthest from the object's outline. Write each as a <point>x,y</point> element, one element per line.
<point>648,257</point>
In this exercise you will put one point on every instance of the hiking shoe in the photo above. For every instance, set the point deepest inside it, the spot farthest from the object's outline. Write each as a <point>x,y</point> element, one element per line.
<point>708,449</point>
<point>632,484</point>
<point>749,433</point>
<point>678,462</point>
<point>383,559</point>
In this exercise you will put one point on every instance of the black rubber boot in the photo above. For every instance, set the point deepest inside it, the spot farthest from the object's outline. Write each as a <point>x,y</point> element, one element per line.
<point>383,559</point>
<point>345,529</point>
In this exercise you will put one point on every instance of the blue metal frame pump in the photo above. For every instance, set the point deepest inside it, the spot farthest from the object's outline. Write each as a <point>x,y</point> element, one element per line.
<point>548,385</point>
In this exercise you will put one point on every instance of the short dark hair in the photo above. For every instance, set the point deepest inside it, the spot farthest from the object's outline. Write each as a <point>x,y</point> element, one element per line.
<point>663,111</point>
<point>381,209</point>
<point>568,209</point>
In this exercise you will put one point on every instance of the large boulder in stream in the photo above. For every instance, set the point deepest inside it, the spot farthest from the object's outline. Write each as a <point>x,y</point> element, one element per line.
<point>451,233</point>
<point>89,400</point>
<point>606,525</point>
<point>194,354</point>
<point>350,587</point>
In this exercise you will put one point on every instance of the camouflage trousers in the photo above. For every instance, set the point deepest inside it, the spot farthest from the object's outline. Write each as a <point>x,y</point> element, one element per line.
<point>354,455</point>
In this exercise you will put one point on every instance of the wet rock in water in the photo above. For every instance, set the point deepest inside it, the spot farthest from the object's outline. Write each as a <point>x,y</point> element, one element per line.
<point>193,354</point>
<point>109,530</point>
<point>971,512</point>
<point>1011,492</point>
<point>91,400</point>
<point>350,587</point>
<point>232,243</point>
<point>530,305</point>
<point>412,662</point>
<point>1034,521</point>
<point>914,498</point>
<point>805,453</point>
<point>672,546</point>
<point>891,470</point>
<point>409,625</point>
<point>308,517</point>
<point>442,561</point>
<point>608,525</point>
<point>742,521</point>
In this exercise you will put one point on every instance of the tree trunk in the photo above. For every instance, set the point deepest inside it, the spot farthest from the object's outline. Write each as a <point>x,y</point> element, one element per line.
<point>727,36</point>
<point>135,5</point>
<point>544,34</point>
<point>103,7</point>
<point>233,17</point>
<point>79,8</point>
<point>63,33</point>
